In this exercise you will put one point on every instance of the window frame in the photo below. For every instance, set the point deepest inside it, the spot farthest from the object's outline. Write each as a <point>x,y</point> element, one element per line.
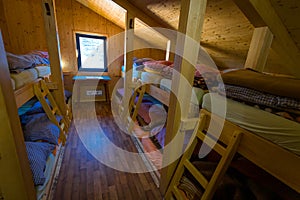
<point>78,52</point>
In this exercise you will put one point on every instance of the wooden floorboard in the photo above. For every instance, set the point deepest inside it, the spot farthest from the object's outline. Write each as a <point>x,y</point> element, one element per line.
<point>84,177</point>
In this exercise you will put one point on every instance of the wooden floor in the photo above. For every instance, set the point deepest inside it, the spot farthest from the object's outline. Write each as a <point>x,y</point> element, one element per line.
<point>84,177</point>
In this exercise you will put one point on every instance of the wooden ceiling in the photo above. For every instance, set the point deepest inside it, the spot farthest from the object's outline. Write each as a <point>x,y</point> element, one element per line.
<point>227,32</point>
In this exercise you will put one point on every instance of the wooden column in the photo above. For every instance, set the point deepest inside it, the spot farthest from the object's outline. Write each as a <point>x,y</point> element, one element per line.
<point>190,23</point>
<point>259,49</point>
<point>16,178</point>
<point>261,13</point>
<point>128,59</point>
<point>54,52</point>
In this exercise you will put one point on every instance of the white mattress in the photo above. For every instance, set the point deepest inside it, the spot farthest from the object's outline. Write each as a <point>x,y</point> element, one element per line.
<point>24,77</point>
<point>43,71</point>
<point>148,77</point>
<point>281,131</point>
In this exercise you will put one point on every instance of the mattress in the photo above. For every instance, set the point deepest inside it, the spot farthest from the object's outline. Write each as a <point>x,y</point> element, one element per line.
<point>43,71</point>
<point>148,77</point>
<point>281,131</point>
<point>24,77</point>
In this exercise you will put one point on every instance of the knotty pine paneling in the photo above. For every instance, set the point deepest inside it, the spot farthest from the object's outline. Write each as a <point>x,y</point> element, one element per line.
<point>23,27</point>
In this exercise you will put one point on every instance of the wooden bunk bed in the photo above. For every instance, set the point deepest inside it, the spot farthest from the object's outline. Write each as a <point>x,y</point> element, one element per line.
<point>257,149</point>
<point>38,88</point>
<point>17,175</point>
<point>238,140</point>
<point>164,96</point>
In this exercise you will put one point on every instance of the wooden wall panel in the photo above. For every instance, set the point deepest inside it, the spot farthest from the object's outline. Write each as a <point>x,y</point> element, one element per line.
<point>81,18</point>
<point>24,29</point>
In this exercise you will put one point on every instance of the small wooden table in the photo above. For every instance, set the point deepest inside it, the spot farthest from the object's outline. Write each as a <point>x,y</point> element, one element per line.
<point>92,81</point>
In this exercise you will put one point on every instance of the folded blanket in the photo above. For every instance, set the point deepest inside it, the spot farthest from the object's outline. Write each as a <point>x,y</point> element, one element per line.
<point>281,86</point>
<point>20,62</point>
<point>261,98</point>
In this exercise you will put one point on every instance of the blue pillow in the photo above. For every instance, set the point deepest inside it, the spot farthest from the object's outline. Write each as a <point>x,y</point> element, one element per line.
<point>39,127</point>
<point>38,153</point>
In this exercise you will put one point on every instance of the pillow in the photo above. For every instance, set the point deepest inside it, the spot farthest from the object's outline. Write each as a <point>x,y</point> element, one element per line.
<point>38,153</point>
<point>40,128</point>
<point>141,60</point>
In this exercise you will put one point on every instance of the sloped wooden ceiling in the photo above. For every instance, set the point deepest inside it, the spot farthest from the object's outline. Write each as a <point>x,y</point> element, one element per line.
<point>227,32</point>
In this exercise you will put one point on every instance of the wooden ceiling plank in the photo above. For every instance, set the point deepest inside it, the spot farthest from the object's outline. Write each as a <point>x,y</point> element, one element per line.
<point>283,44</point>
<point>106,9</point>
<point>259,49</point>
<point>141,15</point>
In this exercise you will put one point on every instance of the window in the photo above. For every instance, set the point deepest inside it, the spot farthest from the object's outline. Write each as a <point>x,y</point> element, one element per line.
<point>91,51</point>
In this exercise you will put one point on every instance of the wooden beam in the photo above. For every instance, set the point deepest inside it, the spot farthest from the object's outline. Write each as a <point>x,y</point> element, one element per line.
<point>283,44</point>
<point>16,177</point>
<point>54,52</point>
<point>128,61</point>
<point>259,48</point>
<point>190,23</point>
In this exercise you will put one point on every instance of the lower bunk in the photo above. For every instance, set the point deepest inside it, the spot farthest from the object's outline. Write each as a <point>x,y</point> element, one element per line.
<point>45,131</point>
<point>263,165</point>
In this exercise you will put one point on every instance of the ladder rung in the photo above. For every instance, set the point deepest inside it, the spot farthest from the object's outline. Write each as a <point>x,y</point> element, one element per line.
<point>194,171</point>
<point>211,143</point>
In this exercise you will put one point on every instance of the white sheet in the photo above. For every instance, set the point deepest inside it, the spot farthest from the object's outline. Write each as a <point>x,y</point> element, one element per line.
<point>148,77</point>
<point>281,131</point>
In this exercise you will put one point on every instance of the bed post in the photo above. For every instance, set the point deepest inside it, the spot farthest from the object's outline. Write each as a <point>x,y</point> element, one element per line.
<point>128,61</point>
<point>54,53</point>
<point>259,48</point>
<point>16,179</point>
<point>262,13</point>
<point>190,23</point>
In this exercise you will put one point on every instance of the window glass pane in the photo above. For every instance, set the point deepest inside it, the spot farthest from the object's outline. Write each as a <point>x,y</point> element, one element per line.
<point>92,52</point>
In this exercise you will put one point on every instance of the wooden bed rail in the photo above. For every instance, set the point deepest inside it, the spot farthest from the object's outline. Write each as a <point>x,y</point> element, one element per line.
<point>25,93</point>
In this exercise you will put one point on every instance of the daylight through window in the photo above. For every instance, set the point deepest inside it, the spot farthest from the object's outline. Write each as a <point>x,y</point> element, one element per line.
<point>91,51</point>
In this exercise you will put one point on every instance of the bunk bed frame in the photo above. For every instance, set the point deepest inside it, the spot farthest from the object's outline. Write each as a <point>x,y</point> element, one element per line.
<point>15,167</point>
<point>254,148</point>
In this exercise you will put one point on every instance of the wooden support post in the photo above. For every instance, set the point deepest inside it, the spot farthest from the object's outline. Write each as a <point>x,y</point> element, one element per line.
<point>128,61</point>
<point>262,13</point>
<point>54,52</point>
<point>190,23</point>
<point>259,48</point>
<point>16,178</point>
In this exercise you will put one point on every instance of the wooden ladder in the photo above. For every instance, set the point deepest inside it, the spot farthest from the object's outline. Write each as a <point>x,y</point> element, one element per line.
<point>42,93</point>
<point>134,105</point>
<point>209,186</point>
